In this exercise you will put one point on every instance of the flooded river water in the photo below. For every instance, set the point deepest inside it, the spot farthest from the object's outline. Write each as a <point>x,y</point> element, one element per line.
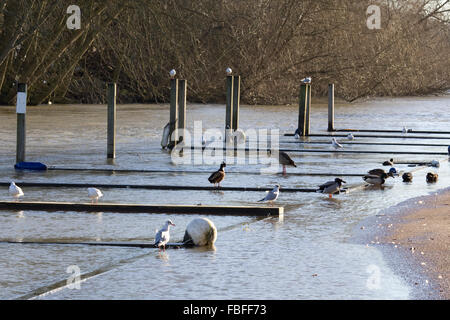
<point>307,255</point>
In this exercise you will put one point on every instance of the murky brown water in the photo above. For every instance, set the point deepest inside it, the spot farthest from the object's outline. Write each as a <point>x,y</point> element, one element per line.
<point>269,259</point>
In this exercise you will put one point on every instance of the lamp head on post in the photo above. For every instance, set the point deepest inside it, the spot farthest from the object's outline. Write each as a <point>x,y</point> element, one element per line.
<point>229,71</point>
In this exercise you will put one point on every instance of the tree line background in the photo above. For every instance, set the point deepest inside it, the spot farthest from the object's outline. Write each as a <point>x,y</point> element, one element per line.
<point>271,44</point>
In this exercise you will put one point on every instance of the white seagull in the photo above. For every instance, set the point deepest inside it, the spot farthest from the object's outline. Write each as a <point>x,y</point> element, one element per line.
<point>94,194</point>
<point>163,235</point>
<point>15,191</point>
<point>306,80</point>
<point>350,136</point>
<point>240,136</point>
<point>336,144</point>
<point>272,195</point>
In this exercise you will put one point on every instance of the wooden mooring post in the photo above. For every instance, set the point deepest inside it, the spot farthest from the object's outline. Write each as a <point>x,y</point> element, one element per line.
<point>308,108</point>
<point>111,130</point>
<point>229,107</point>
<point>21,106</point>
<point>303,113</point>
<point>182,92</point>
<point>174,105</point>
<point>331,107</point>
<point>236,101</point>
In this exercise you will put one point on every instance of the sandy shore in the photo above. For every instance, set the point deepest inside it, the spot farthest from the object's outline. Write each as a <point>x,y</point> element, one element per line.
<point>419,237</point>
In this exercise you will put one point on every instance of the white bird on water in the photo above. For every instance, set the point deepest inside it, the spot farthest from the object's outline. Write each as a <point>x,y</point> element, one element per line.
<point>163,235</point>
<point>94,194</point>
<point>336,144</point>
<point>272,195</point>
<point>15,191</point>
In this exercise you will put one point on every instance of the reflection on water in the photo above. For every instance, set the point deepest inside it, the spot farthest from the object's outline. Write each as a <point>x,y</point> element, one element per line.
<point>305,255</point>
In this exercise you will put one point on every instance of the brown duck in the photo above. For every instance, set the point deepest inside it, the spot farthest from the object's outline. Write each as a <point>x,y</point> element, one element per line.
<point>432,177</point>
<point>218,176</point>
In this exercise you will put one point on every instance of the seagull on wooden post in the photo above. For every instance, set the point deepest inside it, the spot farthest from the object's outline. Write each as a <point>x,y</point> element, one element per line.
<point>306,80</point>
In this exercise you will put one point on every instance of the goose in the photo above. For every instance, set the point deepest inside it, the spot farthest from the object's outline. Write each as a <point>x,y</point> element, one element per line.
<point>15,191</point>
<point>94,194</point>
<point>432,177</point>
<point>271,195</point>
<point>336,144</point>
<point>376,179</point>
<point>350,136</point>
<point>389,162</point>
<point>331,187</point>
<point>285,160</point>
<point>163,235</point>
<point>407,177</point>
<point>218,176</point>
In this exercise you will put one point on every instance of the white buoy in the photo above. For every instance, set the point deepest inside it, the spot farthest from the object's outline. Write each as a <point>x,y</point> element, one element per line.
<point>200,232</point>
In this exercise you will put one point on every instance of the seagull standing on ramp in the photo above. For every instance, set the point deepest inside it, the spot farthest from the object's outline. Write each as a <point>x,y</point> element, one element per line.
<point>94,194</point>
<point>336,144</point>
<point>272,195</point>
<point>15,191</point>
<point>163,235</point>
